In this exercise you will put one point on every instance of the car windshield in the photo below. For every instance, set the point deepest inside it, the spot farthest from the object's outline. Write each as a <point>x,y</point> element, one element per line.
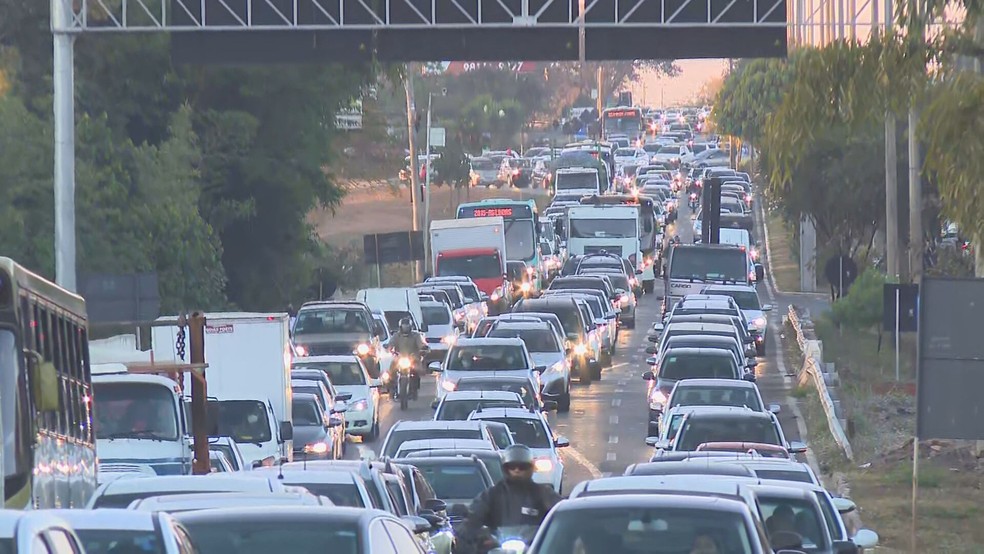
<point>470,292</point>
<point>335,320</point>
<point>485,164</point>
<point>306,413</point>
<point>709,264</point>
<point>569,318</point>
<point>619,280</point>
<point>783,475</point>
<point>715,396</point>
<point>341,494</point>
<point>454,481</point>
<point>625,152</point>
<point>746,300</point>
<point>632,530</point>
<point>254,536</point>
<point>537,340</point>
<point>490,357</point>
<point>399,436</point>
<point>113,541</point>
<point>572,181</point>
<point>459,410</point>
<point>603,228</point>
<point>726,428</point>
<point>479,266</point>
<point>243,420</point>
<point>339,373</point>
<point>528,431</point>
<point>229,454</point>
<point>697,366</point>
<point>135,410</point>
<point>669,150</point>
<point>436,315</point>
<point>583,283</point>
<point>520,240</point>
<point>524,391</point>
<point>789,515</point>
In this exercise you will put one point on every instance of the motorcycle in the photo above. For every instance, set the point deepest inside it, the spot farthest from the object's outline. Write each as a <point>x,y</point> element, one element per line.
<point>406,383</point>
<point>513,540</point>
<point>694,202</point>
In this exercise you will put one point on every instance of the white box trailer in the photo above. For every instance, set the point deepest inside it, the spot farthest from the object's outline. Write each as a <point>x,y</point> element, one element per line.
<point>476,248</point>
<point>249,358</point>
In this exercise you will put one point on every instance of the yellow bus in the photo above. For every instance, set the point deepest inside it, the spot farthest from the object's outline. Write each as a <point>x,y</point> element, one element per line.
<point>49,453</point>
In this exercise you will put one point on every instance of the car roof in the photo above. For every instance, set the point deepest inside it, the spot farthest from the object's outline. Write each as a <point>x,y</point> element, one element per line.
<point>699,351</point>
<point>652,501</point>
<point>700,326</point>
<point>510,413</point>
<point>736,288</point>
<point>709,383</point>
<point>442,460</point>
<point>464,425</point>
<point>690,467</point>
<point>445,444</point>
<point>294,476</point>
<point>480,395</point>
<point>505,379</point>
<point>521,325</point>
<point>453,453</point>
<point>490,341</point>
<point>731,411</point>
<point>303,514</point>
<point>106,518</point>
<point>324,359</point>
<point>197,501</point>
<point>204,483</point>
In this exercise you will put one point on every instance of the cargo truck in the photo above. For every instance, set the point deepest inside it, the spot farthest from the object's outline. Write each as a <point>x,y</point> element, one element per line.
<point>476,248</point>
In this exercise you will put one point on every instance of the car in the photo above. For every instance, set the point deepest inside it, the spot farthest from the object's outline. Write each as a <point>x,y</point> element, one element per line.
<point>729,424</point>
<point>491,458</point>
<point>343,487</point>
<point>349,376</point>
<point>36,531</point>
<point>691,363</point>
<point>404,431</point>
<point>707,341</point>
<point>530,427</point>
<point>748,302</point>
<point>627,301</point>
<point>633,523</point>
<point>523,386</point>
<point>122,492</point>
<point>178,503</point>
<point>705,392</point>
<point>304,530</point>
<point>420,445</point>
<point>441,332</point>
<point>547,350</point>
<point>317,435</point>
<point>454,479</point>
<point>107,529</point>
<point>333,327</point>
<point>457,405</point>
<point>369,472</point>
<point>484,356</point>
<point>603,317</point>
<point>228,446</point>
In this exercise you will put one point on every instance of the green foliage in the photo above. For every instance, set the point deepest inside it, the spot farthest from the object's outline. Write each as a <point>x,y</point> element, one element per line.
<point>749,95</point>
<point>487,122</point>
<point>861,308</point>
<point>453,166</point>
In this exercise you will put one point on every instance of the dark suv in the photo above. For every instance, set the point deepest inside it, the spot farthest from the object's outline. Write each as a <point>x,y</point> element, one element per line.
<point>337,328</point>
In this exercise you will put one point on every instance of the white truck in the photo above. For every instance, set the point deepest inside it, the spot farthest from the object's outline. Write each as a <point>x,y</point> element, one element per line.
<point>605,228</point>
<point>584,181</point>
<point>139,417</point>
<point>248,379</point>
<point>476,248</point>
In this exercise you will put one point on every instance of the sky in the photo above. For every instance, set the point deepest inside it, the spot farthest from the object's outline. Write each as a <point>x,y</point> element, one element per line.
<point>676,90</point>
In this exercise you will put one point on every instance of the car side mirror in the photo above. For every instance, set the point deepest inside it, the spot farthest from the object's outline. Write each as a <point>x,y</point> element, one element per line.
<point>256,464</point>
<point>375,383</point>
<point>286,431</point>
<point>651,349</point>
<point>797,447</point>
<point>759,273</point>
<point>540,368</point>
<point>843,505</point>
<point>845,547</point>
<point>658,326</point>
<point>651,360</point>
<point>750,377</point>
<point>434,366</point>
<point>436,505</point>
<point>865,538</point>
<point>417,524</point>
<point>649,376</point>
<point>562,442</point>
<point>549,405</point>
<point>653,338</point>
<point>775,408</point>
<point>343,397</point>
<point>340,407</point>
<point>334,421</point>
<point>766,307</point>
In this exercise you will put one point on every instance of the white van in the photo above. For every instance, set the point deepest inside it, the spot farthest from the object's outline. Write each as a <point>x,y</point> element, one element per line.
<point>395,302</point>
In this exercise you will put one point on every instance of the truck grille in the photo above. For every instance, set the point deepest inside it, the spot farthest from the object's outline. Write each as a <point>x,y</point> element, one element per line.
<point>597,249</point>
<point>330,349</point>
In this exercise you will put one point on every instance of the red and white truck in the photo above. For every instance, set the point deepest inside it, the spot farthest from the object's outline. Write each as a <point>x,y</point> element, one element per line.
<point>473,248</point>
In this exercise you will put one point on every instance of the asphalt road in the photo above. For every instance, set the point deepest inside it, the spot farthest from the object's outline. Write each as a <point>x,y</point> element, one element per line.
<point>608,419</point>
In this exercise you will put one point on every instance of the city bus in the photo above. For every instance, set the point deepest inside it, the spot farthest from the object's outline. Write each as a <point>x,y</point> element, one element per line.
<point>522,228</point>
<point>49,452</point>
<point>624,121</point>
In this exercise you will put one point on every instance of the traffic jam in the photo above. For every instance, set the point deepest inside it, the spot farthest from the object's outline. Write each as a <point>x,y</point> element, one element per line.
<point>315,439</point>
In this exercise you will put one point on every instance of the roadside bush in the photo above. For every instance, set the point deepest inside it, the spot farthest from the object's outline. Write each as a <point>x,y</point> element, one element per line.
<point>861,308</point>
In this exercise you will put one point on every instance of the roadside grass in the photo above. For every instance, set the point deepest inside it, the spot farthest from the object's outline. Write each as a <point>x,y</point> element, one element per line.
<point>881,418</point>
<point>785,267</point>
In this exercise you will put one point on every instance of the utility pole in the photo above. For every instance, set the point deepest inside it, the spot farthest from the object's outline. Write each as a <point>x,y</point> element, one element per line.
<point>201,464</point>
<point>427,186</point>
<point>63,79</point>
<point>414,177</point>
<point>601,95</point>
<point>915,172</point>
<point>891,177</point>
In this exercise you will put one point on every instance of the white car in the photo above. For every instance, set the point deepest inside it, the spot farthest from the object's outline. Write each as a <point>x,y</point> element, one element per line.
<point>441,330</point>
<point>547,349</point>
<point>531,428</point>
<point>22,531</point>
<point>671,154</point>
<point>506,357</point>
<point>128,529</point>
<point>421,445</point>
<point>748,301</point>
<point>458,405</point>
<point>348,375</point>
<point>177,503</point>
<point>344,488</point>
<point>122,492</point>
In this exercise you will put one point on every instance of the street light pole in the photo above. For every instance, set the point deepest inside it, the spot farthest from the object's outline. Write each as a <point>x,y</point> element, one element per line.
<point>427,187</point>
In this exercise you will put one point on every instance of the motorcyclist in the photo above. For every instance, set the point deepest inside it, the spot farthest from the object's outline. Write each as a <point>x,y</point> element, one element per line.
<point>512,502</point>
<point>410,343</point>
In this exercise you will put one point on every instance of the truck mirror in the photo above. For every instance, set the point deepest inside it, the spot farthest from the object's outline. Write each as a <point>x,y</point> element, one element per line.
<point>286,431</point>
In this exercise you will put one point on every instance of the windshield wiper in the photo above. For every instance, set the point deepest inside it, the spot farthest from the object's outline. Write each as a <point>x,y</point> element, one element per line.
<point>146,434</point>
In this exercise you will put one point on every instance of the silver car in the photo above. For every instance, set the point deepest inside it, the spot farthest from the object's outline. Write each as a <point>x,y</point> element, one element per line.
<point>547,350</point>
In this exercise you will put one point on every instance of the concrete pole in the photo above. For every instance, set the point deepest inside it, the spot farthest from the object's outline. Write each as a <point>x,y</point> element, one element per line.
<point>414,177</point>
<point>427,187</point>
<point>63,79</point>
<point>891,198</point>
<point>808,254</point>
<point>915,200</point>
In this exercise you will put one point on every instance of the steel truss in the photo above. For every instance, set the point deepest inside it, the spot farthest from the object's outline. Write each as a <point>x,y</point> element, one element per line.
<point>107,16</point>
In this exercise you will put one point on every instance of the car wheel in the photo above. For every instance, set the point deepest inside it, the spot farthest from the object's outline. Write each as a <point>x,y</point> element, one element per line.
<point>653,430</point>
<point>760,349</point>
<point>564,402</point>
<point>584,374</point>
<point>373,432</point>
<point>649,286</point>
<point>630,323</point>
<point>596,371</point>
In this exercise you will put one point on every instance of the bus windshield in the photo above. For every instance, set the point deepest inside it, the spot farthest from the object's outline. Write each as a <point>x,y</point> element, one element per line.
<point>482,266</point>
<point>706,264</point>
<point>8,408</point>
<point>577,181</point>
<point>135,411</point>
<point>602,228</point>
<point>627,122</point>
<point>520,240</point>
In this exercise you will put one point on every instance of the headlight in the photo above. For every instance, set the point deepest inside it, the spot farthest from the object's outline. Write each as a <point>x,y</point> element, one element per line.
<point>580,349</point>
<point>759,322</point>
<point>525,287</point>
<point>362,349</point>
<point>513,545</point>
<point>449,340</point>
<point>557,367</point>
<point>543,465</point>
<point>448,386</point>
<point>316,448</point>
<point>459,316</point>
<point>404,363</point>
<point>384,377</point>
<point>623,300</point>
<point>301,350</point>
<point>359,405</point>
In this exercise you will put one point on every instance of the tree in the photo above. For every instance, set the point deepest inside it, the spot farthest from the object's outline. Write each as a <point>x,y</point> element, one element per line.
<point>749,94</point>
<point>453,166</point>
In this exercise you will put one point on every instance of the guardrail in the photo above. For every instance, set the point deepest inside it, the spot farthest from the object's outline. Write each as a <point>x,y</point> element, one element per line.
<point>823,376</point>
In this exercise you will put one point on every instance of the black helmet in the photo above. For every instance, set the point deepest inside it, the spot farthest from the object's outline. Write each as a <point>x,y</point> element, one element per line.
<point>517,454</point>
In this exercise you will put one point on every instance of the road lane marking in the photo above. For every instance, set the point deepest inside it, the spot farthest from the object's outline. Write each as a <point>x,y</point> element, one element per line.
<point>613,439</point>
<point>613,419</point>
<point>616,366</point>
<point>582,461</point>
<point>616,402</point>
<point>610,457</point>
